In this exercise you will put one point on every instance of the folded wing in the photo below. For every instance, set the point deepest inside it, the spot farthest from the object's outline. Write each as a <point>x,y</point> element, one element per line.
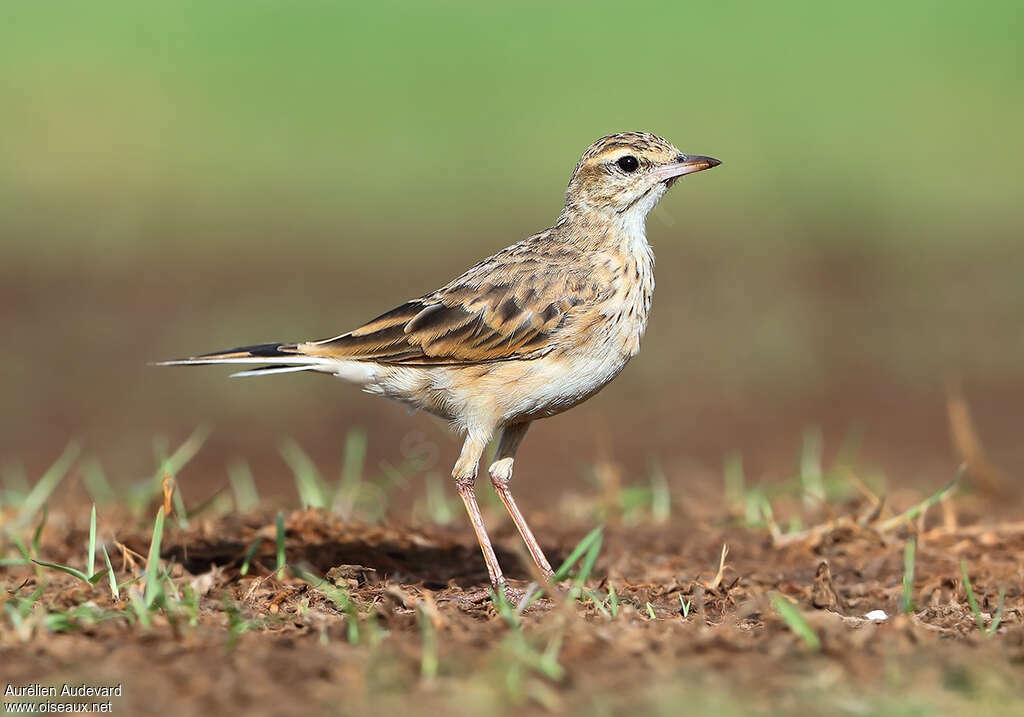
<point>459,325</point>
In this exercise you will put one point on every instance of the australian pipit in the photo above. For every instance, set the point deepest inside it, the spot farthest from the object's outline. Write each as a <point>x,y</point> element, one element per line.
<point>527,333</point>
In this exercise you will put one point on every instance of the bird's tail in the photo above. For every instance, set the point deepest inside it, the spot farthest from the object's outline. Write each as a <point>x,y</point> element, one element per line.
<point>276,358</point>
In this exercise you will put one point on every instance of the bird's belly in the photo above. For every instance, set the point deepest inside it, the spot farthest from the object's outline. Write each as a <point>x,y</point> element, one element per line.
<point>567,377</point>
<point>526,390</point>
<point>564,384</point>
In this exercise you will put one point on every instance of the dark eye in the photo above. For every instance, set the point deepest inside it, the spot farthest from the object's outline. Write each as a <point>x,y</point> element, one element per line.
<point>629,163</point>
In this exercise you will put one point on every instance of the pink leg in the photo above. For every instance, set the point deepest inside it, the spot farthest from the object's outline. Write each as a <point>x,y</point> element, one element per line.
<point>464,474</point>
<point>501,473</point>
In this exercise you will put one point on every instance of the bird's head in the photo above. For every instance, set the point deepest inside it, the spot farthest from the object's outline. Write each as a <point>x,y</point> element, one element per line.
<point>624,175</point>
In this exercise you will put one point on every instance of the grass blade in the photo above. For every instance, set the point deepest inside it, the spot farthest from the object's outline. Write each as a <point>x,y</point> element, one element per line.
<point>20,545</point>
<point>64,569</point>
<point>999,614</point>
<point>45,486</point>
<point>811,475</point>
<point>280,545</point>
<point>249,554</point>
<point>598,602</point>
<point>353,465</point>
<point>589,547</point>
<point>15,481</point>
<point>141,609</point>
<point>206,504</point>
<point>850,447</point>
<point>735,482</point>
<point>91,558</point>
<point>915,510</point>
<point>971,599</point>
<point>37,536</point>
<point>308,481</point>
<point>97,577</point>
<point>11,562</point>
<point>169,466</point>
<point>428,658</point>
<point>182,455</point>
<point>114,590</point>
<point>796,622</point>
<point>96,483</point>
<point>337,595</point>
<point>153,586</point>
<point>587,565</point>
<point>582,547</point>
<point>247,497</point>
<point>73,572</point>
<point>504,608</point>
<point>179,507</point>
<point>909,553</point>
<point>661,497</point>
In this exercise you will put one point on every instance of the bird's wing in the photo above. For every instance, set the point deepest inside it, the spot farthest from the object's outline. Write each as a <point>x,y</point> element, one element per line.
<point>504,308</point>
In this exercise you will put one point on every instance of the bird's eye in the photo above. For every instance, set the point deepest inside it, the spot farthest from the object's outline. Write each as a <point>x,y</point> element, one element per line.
<point>629,163</point>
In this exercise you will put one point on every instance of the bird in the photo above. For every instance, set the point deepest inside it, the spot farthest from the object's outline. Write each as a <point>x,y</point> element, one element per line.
<point>527,333</point>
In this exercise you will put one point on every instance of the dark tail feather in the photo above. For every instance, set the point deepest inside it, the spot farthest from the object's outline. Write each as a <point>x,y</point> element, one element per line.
<point>254,351</point>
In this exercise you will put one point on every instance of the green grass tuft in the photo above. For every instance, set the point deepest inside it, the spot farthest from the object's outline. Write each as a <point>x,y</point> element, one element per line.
<point>972,601</point>
<point>45,486</point>
<point>998,617</point>
<point>243,486</point>
<point>249,554</point>
<point>915,510</point>
<point>909,555</point>
<point>582,547</point>
<point>613,601</point>
<point>428,635</point>
<point>154,588</point>
<point>280,535</point>
<point>587,549</point>
<point>811,474</point>
<point>796,622</point>
<point>337,595</point>
<point>72,571</point>
<point>92,543</point>
<point>115,591</point>
<point>308,481</point>
<point>37,535</point>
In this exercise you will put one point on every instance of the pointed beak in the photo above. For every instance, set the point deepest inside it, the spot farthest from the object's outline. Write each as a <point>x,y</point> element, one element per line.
<point>684,164</point>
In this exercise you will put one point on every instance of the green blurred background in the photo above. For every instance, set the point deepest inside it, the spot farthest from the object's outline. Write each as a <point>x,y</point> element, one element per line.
<point>183,177</point>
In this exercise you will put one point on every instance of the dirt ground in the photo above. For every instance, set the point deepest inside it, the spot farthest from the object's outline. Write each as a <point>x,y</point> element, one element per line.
<point>420,635</point>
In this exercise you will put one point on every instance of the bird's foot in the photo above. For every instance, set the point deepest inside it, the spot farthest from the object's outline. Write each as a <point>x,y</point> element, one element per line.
<point>517,597</point>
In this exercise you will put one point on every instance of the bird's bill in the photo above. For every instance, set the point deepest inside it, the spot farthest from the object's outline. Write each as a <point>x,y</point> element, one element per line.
<point>690,164</point>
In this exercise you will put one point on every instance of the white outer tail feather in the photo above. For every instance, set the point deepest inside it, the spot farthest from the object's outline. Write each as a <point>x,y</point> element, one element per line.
<point>358,372</point>
<point>268,371</point>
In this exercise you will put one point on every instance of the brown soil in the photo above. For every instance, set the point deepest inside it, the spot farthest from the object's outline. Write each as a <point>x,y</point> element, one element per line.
<point>732,653</point>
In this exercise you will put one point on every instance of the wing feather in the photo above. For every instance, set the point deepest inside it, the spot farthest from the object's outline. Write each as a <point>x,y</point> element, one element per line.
<point>500,322</point>
<point>515,304</point>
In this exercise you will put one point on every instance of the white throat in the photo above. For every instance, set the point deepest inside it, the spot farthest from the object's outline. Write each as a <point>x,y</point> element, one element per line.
<point>633,221</point>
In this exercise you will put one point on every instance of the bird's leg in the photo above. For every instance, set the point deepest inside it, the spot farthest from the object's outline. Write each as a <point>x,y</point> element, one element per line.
<point>464,474</point>
<point>501,473</point>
